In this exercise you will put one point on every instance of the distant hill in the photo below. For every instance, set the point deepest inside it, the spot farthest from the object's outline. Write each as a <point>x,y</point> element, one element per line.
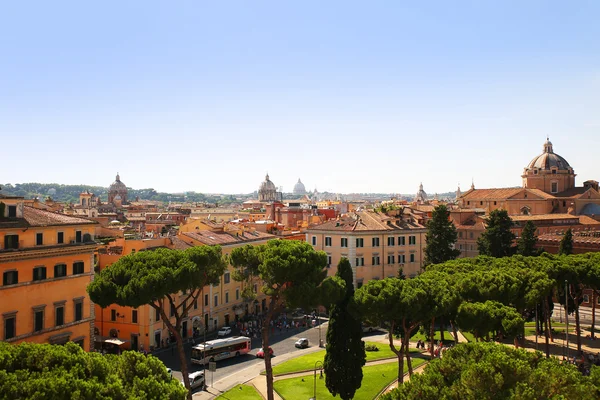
<point>70,193</point>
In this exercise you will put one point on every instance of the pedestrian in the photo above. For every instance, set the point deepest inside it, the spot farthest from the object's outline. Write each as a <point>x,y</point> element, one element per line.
<point>172,350</point>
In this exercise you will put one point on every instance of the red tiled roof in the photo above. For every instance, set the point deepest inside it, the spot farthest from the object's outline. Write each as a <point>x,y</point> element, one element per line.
<point>366,221</point>
<point>37,217</point>
<point>483,194</point>
<point>573,192</point>
<point>225,238</point>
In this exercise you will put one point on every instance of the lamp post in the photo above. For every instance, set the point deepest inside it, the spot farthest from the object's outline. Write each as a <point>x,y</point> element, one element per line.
<point>204,344</point>
<point>319,323</point>
<point>536,327</point>
<point>315,379</point>
<point>567,317</point>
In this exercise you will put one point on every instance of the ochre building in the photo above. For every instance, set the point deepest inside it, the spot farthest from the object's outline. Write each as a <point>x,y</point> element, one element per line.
<point>46,263</point>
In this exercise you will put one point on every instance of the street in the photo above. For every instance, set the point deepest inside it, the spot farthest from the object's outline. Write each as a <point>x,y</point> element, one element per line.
<point>281,343</point>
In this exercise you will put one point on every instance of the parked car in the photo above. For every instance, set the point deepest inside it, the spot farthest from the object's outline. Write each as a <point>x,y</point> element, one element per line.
<point>369,329</point>
<point>224,331</point>
<point>301,343</point>
<point>196,380</point>
<point>261,353</point>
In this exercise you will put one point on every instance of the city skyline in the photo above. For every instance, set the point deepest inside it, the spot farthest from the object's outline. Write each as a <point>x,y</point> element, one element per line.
<point>351,99</point>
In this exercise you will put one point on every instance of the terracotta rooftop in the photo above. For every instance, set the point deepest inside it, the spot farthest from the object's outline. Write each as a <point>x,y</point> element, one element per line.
<point>583,219</point>
<point>33,217</point>
<point>573,192</point>
<point>501,193</point>
<point>578,237</point>
<point>366,221</point>
<point>225,238</point>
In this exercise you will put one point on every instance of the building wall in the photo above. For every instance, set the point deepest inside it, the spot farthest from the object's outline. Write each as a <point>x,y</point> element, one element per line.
<point>543,181</point>
<point>27,296</point>
<point>381,268</point>
<point>150,331</point>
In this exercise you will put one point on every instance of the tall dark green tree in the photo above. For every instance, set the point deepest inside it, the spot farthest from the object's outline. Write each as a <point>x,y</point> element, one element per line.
<point>566,244</point>
<point>497,239</point>
<point>441,237</point>
<point>526,243</point>
<point>345,354</point>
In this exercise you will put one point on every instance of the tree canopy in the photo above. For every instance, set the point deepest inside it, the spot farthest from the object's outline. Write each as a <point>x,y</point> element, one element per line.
<point>44,371</point>
<point>292,274</point>
<point>490,371</point>
<point>441,237</point>
<point>497,239</point>
<point>156,278</point>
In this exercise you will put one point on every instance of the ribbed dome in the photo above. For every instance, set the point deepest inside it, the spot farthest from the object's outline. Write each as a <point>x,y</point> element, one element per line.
<point>299,188</point>
<point>117,185</point>
<point>548,160</point>
<point>267,184</point>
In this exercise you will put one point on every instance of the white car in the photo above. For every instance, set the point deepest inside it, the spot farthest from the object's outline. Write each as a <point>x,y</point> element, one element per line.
<point>224,331</point>
<point>196,380</point>
<point>301,343</point>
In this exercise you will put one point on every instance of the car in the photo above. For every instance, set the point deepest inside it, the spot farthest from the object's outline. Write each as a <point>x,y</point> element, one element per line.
<point>261,353</point>
<point>301,343</point>
<point>369,328</point>
<point>196,380</point>
<point>224,331</point>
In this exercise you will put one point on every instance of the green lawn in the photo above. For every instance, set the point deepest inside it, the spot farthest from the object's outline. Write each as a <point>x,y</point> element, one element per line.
<point>241,392</point>
<point>307,362</point>
<point>469,336</point>
<point>448,337</point>
<point>375,378</point>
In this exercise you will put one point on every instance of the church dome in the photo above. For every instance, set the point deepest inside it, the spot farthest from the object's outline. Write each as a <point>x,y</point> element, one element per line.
<point>117,191</point>
<point>267,191</point>
<point>117,185</point>
<point>267,184</point>
<point>299,188</point>
<point>549,160</point>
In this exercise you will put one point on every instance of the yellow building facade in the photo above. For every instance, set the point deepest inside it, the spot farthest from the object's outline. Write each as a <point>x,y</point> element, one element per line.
<point>376,244</point>
<point>46,263</point>
<point>217,306</point>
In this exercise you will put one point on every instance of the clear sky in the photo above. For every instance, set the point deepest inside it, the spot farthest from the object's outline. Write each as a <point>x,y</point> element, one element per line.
<point>350,96</point>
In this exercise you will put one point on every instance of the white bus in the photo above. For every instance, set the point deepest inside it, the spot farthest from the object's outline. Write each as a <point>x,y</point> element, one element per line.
<point>219,349</point>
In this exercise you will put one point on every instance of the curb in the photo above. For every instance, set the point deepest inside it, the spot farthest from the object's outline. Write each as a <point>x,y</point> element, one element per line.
<point>384,390</point>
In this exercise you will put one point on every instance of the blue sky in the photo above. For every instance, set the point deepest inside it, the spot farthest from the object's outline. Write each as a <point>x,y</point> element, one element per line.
<point>349,96</point>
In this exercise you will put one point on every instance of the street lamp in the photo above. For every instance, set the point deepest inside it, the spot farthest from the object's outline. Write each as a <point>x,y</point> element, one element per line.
<point>319,322</point>
<point>315,379</point>
<point>567,316</point>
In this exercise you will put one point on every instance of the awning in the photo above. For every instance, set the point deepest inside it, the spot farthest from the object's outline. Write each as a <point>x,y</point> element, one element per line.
<point>116,341</point>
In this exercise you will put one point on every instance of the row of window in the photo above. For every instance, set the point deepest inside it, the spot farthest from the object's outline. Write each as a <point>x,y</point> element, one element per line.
<point>11,277</point>
<point>206,304</point>
<point>360,242</point>
<point>12,241</point>
<point>391,259</point>
<point>39,317</point>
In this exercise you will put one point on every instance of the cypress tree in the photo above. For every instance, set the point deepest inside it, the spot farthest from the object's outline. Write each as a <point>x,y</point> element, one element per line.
<point>497,239</point>
<point>441,237</point>
<point>345,351</point>
<point>526,243</point>
<point>566,244</point>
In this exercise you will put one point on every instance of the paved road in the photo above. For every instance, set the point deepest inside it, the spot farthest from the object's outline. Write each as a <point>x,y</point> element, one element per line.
<point>280,342</point>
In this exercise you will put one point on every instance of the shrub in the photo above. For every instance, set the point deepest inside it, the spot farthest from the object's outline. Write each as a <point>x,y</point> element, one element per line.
<point>371,347</point>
